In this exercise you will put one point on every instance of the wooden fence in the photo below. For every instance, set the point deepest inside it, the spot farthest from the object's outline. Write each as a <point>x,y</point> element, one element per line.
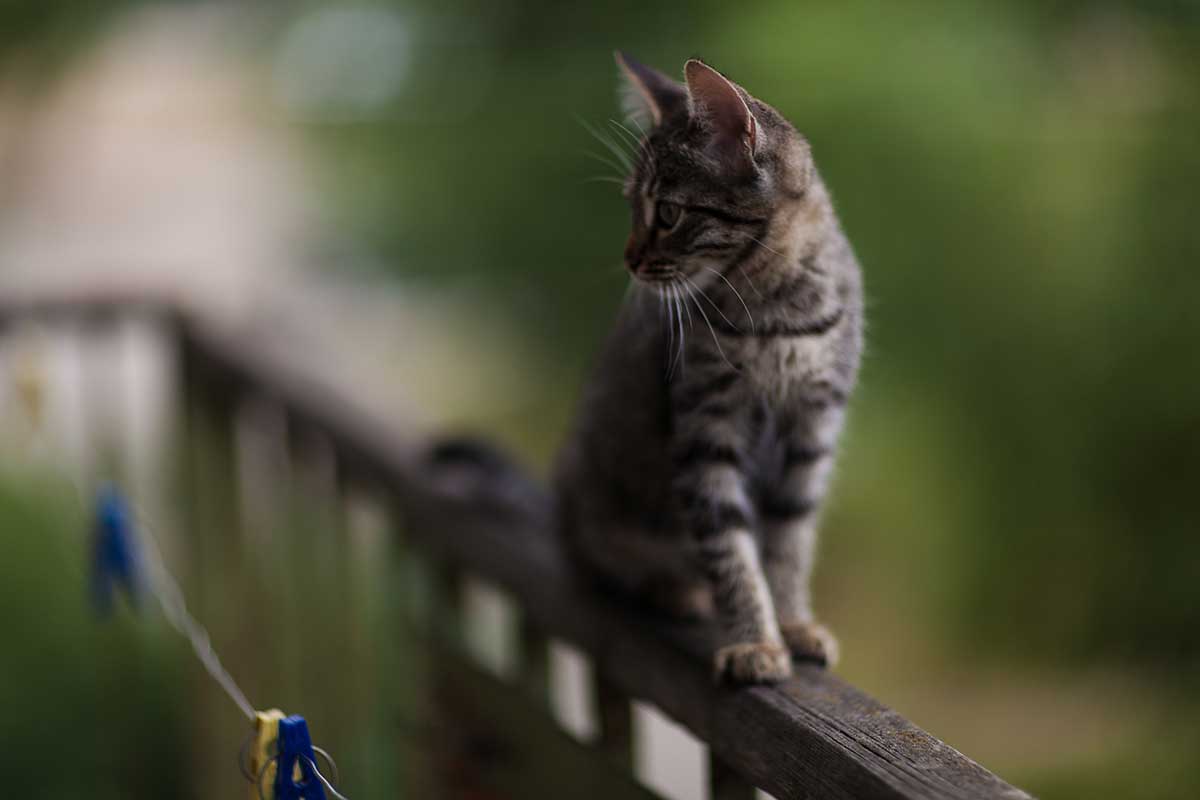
<point>814,736</point>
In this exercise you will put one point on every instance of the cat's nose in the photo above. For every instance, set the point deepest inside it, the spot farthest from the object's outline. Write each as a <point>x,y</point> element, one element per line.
<point>635,252</point>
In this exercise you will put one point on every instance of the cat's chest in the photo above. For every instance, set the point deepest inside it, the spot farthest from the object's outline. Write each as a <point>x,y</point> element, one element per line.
<point>778,368</point>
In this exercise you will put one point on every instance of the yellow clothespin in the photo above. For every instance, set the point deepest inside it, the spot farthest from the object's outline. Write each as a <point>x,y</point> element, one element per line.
<point>263,753</point>
<point>29,381</point>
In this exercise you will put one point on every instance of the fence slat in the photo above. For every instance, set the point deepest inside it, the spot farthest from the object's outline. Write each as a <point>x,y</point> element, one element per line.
<point>616,722</point>
<point>535,662</point>
<point>725,784</point>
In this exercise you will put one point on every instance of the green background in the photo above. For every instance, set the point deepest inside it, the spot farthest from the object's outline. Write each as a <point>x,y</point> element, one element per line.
<point>1011,555</point>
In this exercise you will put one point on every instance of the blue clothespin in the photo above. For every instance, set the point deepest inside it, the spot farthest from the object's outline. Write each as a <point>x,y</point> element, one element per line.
<point>296,754</point>
<point>114,551</point>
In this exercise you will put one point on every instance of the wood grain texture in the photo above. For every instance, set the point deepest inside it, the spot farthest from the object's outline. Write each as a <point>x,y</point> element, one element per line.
<point>812,737</point>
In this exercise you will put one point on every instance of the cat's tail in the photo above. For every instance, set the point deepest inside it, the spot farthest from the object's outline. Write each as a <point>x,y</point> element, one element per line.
<point>470,470</point>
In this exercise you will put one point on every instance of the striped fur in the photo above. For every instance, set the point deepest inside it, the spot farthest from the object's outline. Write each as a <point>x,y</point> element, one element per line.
<point>707,434</point>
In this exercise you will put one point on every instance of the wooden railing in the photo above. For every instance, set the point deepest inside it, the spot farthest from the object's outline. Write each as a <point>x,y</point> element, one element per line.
<point>814,736</point>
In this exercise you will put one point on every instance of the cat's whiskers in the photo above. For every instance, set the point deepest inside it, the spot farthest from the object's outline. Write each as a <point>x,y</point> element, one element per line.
<point>635,144</point>
<point>679,321</point>
<point>612,147</point>
<point>716,308</point>
<point>736,294</point>
<point>606,161</point>
<point>750,282</point>
<point>670,298</point>
<point>643,148</point>
<point>691,325</point>
<point>764,246</point>
<point>645,137</point>
<point>639,145</point>
<point>665,304</point>
<point>711,330</point>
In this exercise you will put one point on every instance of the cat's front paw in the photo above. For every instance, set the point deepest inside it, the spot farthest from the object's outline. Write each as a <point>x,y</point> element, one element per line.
<point>812,642</point>
<point>753,662</point>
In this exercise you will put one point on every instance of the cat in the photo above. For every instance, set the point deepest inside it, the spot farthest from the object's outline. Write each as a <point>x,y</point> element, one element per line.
<point>706,436</point>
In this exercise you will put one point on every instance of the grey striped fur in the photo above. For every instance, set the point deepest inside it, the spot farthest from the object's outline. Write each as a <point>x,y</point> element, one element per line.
<point>706,438</point>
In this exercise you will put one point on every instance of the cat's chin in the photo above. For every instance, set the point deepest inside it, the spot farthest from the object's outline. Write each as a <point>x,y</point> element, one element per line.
<point>696,273</point>
<point>657,278</point>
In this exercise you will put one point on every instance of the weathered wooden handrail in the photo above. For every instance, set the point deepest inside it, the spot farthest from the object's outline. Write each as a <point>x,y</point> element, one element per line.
<point>814,736</point>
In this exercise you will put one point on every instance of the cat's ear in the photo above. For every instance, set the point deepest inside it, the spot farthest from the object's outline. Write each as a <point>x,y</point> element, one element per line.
<point>719,106</point>
<point>647,95</point>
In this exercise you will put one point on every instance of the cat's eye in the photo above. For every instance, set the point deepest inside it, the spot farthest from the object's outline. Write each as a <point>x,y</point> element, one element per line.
<point>668,214</point>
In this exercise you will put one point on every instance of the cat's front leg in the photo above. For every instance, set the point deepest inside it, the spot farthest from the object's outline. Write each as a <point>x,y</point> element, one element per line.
<point>789,525</point>
<point>754,649</point>
<point>716,510</point>
<point>789,542</point>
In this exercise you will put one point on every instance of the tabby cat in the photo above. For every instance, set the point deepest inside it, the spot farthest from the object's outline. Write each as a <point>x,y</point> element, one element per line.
<point>706,438</point>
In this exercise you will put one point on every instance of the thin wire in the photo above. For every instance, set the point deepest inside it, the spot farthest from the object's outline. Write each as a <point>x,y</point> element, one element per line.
<point>170,599</point>
<point>328,786</point>
<point>333,767</point>
<point>261,774</point>
<point>166,590</point>
<point>243,762</point>
<point>316,771</point>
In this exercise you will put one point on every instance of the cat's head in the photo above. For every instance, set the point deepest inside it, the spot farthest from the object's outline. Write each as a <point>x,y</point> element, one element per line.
<point>714,168</point>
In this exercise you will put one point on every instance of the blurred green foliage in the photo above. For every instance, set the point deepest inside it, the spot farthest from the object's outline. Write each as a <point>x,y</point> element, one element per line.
<point>122,700</point>
<point>92,707</point>
<point>1019,181</point>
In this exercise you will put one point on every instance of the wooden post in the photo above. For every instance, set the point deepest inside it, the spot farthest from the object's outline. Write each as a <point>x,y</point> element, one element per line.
<point>535,662</point>
<point>211,542</point>
<point>615,715</point>
<point>725,784</point>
